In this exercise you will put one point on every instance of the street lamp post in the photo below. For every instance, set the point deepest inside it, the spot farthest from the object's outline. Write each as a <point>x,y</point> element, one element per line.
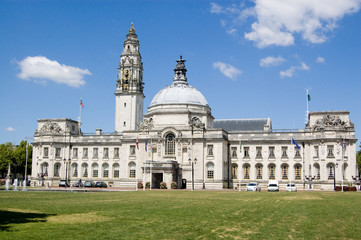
<point>334,176</point>
<point>357,181</point>
<point>310,179</point>
<point>26,166</point>
<point>192,162</point>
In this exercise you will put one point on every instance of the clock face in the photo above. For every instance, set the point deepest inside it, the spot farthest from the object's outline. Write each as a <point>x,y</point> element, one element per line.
<point>126,74</point>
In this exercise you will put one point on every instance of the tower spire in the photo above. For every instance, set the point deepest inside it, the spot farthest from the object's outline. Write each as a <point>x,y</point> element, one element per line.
<point>180,71</point>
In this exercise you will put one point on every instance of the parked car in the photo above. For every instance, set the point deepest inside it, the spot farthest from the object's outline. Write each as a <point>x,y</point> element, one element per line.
<point>252,186</point>
<point>64,183</point>
<point>273,186</point>
<point>89,184</point>
<point>76,184</point>
<point>101,184</point>
<point>291,187</point>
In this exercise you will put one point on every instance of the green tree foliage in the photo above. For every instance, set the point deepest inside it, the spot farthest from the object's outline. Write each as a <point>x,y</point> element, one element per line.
<point>358,157</point>
<point>16,156</point>
<point>6,157</point>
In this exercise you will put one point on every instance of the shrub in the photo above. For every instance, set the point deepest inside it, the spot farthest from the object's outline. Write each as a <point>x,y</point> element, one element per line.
<point>163,185</point>
<point>173,185</point>
<point>147,185</point>
<point>140,184</point>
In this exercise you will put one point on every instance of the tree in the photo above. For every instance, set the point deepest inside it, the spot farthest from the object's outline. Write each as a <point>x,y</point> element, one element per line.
<point>19,155</point>
<point>358,160</point>
<point>6,157</point>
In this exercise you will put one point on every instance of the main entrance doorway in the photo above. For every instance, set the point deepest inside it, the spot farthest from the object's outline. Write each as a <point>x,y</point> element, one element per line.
<point>157,179</point>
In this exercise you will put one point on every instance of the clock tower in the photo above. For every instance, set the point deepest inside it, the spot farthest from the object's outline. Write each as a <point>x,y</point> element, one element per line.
<point>129,94</point>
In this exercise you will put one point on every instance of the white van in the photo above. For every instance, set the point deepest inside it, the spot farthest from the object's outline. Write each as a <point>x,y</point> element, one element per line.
<point>273,186</point>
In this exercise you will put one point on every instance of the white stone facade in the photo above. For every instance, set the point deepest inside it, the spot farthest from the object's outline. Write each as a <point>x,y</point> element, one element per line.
<point>179,127</point>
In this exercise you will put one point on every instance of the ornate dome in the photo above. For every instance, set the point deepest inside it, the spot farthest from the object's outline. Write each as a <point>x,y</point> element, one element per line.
<point>179,92</point>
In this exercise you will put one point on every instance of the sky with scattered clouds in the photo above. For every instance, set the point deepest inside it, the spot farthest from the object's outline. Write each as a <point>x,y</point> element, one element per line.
<point>250,59</point>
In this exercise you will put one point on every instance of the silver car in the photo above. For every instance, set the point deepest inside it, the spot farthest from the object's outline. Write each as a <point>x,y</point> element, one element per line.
<point>252,186</point>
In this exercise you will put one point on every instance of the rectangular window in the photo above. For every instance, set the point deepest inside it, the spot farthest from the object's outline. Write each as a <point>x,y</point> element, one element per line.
<point>210,174</point>
<point>298,173</point>
<point>106,173</point>
<point>95,152</point>
<point>297,153</point>
<point>95,172</point>
<point>271,152</point>
<point>316,151</point>
<point>75,153</point>
<point>85,152</point>
<point>116,152</point>
<point>234,152</point>
<point>246,152</point>
<point>132,150</point>
<point>259,152</point>
<point>106,153</point>
<point>132,173</point>
<point>46,152</point>
<point>246,172</point>
<point>57,152</point>
<point>284,152</point>
<point>116,173</point>
<point>210,150</point>
<point>330,151</point>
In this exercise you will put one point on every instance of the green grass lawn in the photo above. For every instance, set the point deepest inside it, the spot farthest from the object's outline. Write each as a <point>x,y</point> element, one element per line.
<point>179,215</point>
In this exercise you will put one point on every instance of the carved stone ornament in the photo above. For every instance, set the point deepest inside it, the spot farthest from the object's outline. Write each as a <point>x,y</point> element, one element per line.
<point>52,128</point>
<point>329,121</point>
<point>146,125</point>
<point>196,123</point>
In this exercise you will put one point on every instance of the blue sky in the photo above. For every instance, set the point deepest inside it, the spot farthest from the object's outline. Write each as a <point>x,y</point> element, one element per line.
<point>250,59</point>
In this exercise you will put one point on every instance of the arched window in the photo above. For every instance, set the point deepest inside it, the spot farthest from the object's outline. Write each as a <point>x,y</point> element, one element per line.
<point>84,168</point>
<point>95,170</point>
<point>284,169</point>
<point>234,171</point>
<point>316,167</point>
<point>210,170</point>
<point>298,168</point>
<point>271,171</point>
<point>44,169</point>
<point>116,170</point>
<point>74,168</point>
<point>170,144</point>
<point>56,169</point>
<point>132,168</point>
<point>330,170</point>
<point>259,168</point>
<point>105,170</point>
<point>246,168</point>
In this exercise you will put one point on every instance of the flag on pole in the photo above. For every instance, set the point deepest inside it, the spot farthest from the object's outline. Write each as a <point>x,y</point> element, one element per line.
<point>151,147</point>
<point>137,143</point>
<point>240,146</point>
<point>294,142</point>
<point>81,103</point>
<point>308,97</point>
<point>146,145</point>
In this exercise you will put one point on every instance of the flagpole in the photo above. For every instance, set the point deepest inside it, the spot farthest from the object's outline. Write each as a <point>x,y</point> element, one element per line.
<point>151,161</point>
<point>79,116</point>
<point>307,100</point>
<point>342,170</point>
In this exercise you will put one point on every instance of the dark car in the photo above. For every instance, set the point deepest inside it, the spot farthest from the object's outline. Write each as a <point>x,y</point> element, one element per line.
<point>101,184</point>
<point>64,183</point>
<point>78,184</point>
<point>89,184</point>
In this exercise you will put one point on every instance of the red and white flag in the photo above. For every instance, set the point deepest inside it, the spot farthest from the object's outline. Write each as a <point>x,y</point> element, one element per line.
<point>81,103</point>
<point>137,143</point>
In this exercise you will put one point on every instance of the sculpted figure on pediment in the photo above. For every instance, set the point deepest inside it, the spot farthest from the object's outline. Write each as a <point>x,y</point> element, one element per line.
<point>146,125</point>
<point>52,128</point>
<point>197,123</point>
<point>329,121</point>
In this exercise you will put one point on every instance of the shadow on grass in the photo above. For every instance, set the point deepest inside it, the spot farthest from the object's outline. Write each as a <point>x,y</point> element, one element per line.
<point>9,217</point>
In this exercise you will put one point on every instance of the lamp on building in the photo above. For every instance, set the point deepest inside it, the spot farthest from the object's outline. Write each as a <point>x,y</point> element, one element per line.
<point>334,175</point>
<point>192,162</point>
<point>310,179</point>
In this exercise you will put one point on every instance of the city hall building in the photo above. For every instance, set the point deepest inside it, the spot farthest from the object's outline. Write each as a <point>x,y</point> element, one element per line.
<point>178,140</point>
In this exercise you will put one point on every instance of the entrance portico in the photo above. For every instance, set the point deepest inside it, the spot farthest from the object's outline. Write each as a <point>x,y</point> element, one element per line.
<point>162,171</point>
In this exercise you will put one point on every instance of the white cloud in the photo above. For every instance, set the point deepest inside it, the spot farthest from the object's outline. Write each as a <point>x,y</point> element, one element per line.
<point>278,21</point>
<point>42,69</point>
<point>292,70</point>
<point>10,129</point>
<point>271,61</point>
<point>227,70</point>
<point>320,60</point>
<point>215,8</point>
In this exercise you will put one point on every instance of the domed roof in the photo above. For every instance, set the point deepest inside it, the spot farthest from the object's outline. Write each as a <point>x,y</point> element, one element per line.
<point>180,92</point>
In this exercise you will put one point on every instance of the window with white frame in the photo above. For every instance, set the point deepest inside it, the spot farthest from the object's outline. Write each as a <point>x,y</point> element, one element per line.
<point>105,170</point>
<point>271,171</point>
<point>259,168</point>
<point>284,169</point>
<point>271,152</point>
<point>132,170</point>
<point>210,171</point>
<point>210,150</point>
<point>284,152</point>
<point>84,168</point>
<point>316,151</point>
<point>75,152</point>
<point>116,170</point>
<point>85,152</point>
<point>298,168</point>
<point>317,171</point>
<point>46,152</point>
<point>331,170</point>
<point>246,168</point>
<point>95,170</point>
<point>44,169</point>
<point>106,153</point>
<point>170,144</point>
<point>132,150</point>
<point>116,152</point>
<point>246,152</point>
<point>234,171</point>
<point>297,153</point>
<point>234,152</point>
<point>258,152</point>
<point>56,169</point>
<point>330,151</point>
<point>74,169</point>
<point>95,152</point>
<point>57,152</point>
